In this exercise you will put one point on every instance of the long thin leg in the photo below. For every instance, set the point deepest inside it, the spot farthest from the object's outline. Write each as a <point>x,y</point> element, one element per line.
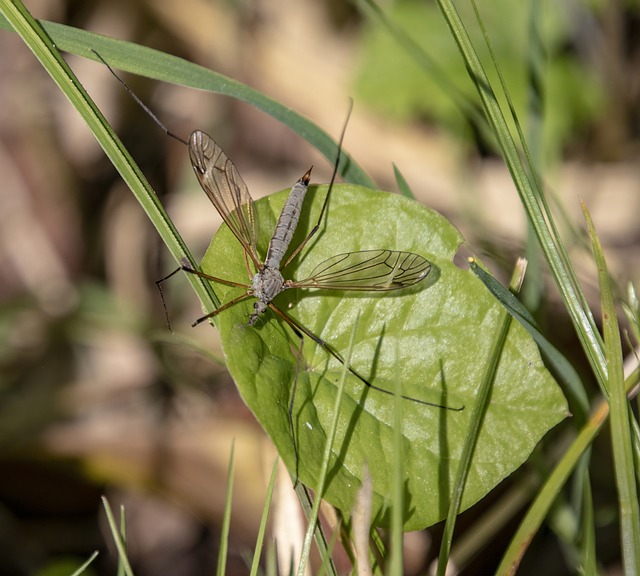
<point>164,302</point>
<point>140,102</point>
<point>297,327</point>
<point>190,270</point>
<point>326,198</point>
<point>222,308</point>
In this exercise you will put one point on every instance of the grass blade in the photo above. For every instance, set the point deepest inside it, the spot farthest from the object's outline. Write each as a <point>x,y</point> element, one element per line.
<point>226,520</point>
<point>263,521</point>
<point>403,185</point>
<point>621,436</point>
<point>531,193</point>
<point>322,479</point>
<point>473,432</point>
<point>123,561</point>
<point>85,564</point>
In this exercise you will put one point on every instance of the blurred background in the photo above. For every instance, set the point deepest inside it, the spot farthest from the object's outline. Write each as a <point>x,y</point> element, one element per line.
<point>98,396</point>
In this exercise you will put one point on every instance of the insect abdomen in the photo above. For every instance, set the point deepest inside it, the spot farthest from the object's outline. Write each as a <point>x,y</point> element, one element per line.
<point>287,223</point>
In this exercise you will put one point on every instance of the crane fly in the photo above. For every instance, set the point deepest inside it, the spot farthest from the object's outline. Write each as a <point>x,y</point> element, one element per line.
<point>367,270</point>
<point>378,270</point>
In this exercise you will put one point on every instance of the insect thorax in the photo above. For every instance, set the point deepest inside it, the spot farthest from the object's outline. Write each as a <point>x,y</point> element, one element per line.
<point>265,285</point>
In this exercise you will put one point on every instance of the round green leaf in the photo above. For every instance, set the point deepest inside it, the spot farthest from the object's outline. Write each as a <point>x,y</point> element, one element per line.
<point>429,342</point>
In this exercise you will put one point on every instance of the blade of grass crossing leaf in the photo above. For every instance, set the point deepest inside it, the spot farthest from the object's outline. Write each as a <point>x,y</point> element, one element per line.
<point>621,438</point>
<point>255,565</point>
<point>324,470</point>
<point>528,185</point>
<point>85,564</point>
<point>403,185</point>
<point>43,48</point>
<point>307,503</point>
<point>558,363</point>
<point>395,562</point>
<point>226,520</point>
<point>473,432</point>
<point>115,534</point>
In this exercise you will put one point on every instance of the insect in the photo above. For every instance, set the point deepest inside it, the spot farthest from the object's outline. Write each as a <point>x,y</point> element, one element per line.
<point>369,270</point>
<point>378,270</point>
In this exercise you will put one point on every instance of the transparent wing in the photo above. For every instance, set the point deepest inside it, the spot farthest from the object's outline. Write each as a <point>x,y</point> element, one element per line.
<point>225,187</point>
<point>367,270</point>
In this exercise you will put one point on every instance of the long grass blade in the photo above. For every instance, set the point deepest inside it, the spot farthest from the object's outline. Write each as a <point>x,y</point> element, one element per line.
<point>255,565</point>
<point>226,519</point>
<point>117,538</point>
<point>324,471</point>
<point>621,436</point>
<point>477,417</point>
<point>529,187</point>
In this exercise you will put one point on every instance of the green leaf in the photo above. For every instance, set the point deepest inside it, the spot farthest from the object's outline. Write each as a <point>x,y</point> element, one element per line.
<point>431,341</point>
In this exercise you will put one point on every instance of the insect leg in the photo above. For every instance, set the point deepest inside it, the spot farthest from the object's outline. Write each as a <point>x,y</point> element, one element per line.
<point>295,325</point>
<point>223,307</point>
<point>139,101</point>
<point>187,268</point>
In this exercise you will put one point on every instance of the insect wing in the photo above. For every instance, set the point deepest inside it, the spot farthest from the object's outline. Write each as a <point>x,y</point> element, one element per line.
<point>378,270</point>
<point>226,189</point>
